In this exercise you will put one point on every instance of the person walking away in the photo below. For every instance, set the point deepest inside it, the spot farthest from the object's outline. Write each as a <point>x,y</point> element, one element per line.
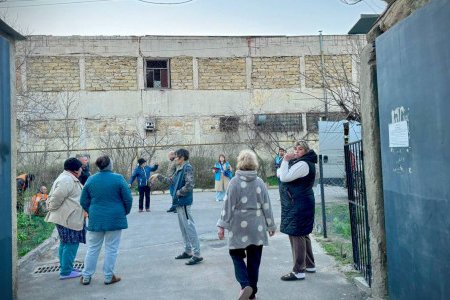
<point>183,182</point>
<point>107,199</point>
<point>65,211</point>
<point>297,175</point>
<point>142,174</point>
<point>247,215</point>
<point>222,174</point>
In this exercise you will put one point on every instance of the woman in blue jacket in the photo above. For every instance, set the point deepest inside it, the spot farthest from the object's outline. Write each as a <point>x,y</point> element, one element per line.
<point>107,199</point>
<point>142,173</point>
<point>222,174</point>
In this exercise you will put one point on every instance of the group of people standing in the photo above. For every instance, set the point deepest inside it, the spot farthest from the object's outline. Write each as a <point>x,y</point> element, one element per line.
<point>247,215</point>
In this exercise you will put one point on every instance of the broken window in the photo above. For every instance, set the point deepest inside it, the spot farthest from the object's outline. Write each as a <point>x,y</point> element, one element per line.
<point>289,122</point>
<point>157,73</point>
<point>229,124</point>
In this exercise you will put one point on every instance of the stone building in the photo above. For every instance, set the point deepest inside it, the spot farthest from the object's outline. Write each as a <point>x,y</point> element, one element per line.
<point>176,90</point>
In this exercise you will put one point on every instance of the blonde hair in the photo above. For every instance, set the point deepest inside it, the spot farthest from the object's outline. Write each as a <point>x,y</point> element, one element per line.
<point>303,144</point>
<point>247,161</point>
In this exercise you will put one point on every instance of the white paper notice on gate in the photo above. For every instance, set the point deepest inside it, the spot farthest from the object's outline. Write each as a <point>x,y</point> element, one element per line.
<point>398,134</point>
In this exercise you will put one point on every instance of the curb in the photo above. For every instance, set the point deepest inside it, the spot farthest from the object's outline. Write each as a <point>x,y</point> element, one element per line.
<point>36,252</point>
<point>270,187</point>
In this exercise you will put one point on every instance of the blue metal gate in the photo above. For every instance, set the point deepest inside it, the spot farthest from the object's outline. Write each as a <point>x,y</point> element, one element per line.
<point>413,69</point>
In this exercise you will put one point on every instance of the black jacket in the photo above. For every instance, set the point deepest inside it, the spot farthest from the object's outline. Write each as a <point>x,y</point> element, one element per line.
<point>297,200</point>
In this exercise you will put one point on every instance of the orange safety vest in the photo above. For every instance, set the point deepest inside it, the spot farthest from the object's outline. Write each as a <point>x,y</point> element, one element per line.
<point>35,201</point>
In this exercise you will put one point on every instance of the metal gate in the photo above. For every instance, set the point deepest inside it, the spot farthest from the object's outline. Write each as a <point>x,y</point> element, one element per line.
<point>357,200</point>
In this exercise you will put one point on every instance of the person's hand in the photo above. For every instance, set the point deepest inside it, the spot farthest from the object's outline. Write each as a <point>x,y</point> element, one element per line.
<point>220,233</point>
<point>153,177</point>
<point>289,156</point>
<point>271,232</point>
<point>129,185</point>
<point>178,193</point>
<point>156,163</point>
<point>85,214</point>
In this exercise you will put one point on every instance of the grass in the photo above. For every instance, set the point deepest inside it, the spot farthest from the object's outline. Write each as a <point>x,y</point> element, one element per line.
<point>338,243</point>
<point>272,180</point>
<point>31,232</point>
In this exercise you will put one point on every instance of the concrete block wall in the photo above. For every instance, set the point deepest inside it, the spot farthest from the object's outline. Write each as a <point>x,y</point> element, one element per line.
<point>110,73</point>
<point>222,73</point>
<point>53,73</point>
<point>335,66</point>
<point>181,73</point>
<point>210,77</point>
<point>275,72</point>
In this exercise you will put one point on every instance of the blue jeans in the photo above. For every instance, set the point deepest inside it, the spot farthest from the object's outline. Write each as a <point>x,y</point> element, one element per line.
<point>220,195</point>
<point>247,275</point>
<point>67,253</point>
<point>94,245</point>
<point>188,231</point>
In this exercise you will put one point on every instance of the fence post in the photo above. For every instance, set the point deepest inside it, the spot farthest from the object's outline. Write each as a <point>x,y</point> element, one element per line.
<point>322,196</point>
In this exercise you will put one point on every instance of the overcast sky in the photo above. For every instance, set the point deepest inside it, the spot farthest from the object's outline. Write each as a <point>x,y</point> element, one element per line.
<point>197,17</point>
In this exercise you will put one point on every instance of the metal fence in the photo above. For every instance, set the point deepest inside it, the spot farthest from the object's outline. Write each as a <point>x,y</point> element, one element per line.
<point>358,209</point>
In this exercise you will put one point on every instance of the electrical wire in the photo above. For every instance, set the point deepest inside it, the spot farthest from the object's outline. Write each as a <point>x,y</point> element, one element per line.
<point>81,1</point>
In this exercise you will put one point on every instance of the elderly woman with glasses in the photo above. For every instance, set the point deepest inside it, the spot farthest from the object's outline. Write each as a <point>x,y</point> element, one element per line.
<point>297,173</point>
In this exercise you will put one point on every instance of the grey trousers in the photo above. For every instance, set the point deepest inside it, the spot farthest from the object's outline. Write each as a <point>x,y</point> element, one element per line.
<point>188,231</point>
<point>301,253</point>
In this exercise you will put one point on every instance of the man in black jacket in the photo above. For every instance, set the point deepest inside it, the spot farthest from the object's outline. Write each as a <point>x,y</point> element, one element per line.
<point>85,170</point>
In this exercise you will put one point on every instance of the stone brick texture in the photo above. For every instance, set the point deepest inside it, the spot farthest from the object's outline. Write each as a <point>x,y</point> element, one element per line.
<point>114,73</point>
<point>222,74</point>
<point>181,71</point>
<point>337,68</point>
<point>53,74</point>
<point>275,72</point>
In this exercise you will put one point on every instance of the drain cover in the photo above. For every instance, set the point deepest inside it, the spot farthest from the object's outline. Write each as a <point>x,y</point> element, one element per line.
<point>55,268</point>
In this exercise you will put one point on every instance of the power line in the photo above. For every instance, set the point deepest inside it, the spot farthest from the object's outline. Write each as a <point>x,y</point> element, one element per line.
<point>166,3</point>
<point>49,4</point>
<point>79,2</point>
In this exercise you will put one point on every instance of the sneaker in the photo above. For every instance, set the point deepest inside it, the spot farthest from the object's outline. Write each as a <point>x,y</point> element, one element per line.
<point>245,293</point>
<point>148,210</point>
<point>194,260</point>
<point>172,209</point>
<point>73,274</point>
<point>292,276</point>
<point>311,270</point>
<point>85,280</point>
<point>113,280</point>
<point>256,298</point>
<point>183,255</point>
<point>141,210</point>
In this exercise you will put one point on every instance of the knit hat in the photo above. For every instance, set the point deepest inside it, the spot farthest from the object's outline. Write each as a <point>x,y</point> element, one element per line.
<point>141,161</point>
<point>72,164</point>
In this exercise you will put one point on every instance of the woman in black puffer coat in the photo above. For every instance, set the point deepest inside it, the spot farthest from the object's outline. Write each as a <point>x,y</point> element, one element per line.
<point>297,174</point>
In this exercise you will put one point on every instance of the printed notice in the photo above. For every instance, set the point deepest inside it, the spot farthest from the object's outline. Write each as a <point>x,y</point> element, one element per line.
<point>398,134</point>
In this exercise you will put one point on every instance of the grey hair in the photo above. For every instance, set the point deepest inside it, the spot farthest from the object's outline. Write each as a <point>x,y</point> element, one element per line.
<point>247,161</point>
<point>303,144</point>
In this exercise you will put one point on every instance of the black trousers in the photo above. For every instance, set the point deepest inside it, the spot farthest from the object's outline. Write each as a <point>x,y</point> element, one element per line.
<point>144,190</point>
<point>247,274</point>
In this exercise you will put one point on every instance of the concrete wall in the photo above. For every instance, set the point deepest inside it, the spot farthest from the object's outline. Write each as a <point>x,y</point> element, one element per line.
<point>209,77</point>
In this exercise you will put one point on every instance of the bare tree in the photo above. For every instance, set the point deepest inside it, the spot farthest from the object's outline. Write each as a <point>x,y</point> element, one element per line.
<point>335,75</point>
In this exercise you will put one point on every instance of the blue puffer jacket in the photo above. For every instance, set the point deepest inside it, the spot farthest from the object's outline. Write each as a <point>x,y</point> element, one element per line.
<point>107,199</point>
<point>142,174</point>
<point>297,200</point>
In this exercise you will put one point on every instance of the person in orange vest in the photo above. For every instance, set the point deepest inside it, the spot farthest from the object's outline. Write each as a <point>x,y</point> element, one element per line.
<point>38,206</point>
<point>23,182</point>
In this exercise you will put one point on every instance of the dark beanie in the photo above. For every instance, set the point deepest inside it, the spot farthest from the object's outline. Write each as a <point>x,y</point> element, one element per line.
<point>72,164</point>
<point>141,161</point>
